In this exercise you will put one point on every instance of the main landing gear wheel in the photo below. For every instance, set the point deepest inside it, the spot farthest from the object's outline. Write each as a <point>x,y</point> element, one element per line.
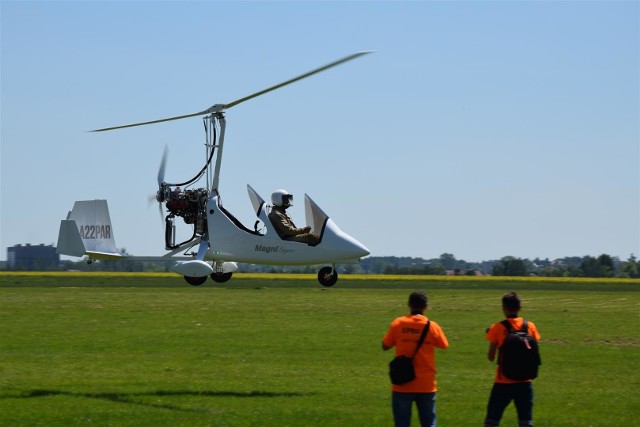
<point>221,277</point>
<point>195,281</point>
<point>327,276</point>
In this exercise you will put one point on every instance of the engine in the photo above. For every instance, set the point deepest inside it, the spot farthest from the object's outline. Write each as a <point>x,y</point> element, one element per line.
<point>190,205</point>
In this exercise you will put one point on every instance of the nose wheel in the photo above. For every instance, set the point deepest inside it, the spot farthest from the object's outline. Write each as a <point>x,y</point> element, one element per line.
<point>327,276</point>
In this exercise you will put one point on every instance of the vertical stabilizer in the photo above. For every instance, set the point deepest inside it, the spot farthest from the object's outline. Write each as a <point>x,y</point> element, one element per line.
<point>88,231</point>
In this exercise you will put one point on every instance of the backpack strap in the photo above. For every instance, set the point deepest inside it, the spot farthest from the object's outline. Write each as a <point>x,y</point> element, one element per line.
<point>507,325</point>
<point>509,329</point>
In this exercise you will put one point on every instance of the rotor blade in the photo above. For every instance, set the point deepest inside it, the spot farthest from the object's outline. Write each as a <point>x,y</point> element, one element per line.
<point>163,165</point>
<point>295,79</point>
<point>220,107</point>
<point>201,113</point>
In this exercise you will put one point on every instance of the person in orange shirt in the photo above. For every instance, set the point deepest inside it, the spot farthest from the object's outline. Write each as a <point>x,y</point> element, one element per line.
<point>403,334</point>
<point>504,389</point>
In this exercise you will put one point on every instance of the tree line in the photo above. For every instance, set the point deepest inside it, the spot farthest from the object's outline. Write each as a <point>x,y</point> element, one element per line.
<point>586,266</point>
<point>446,264</point>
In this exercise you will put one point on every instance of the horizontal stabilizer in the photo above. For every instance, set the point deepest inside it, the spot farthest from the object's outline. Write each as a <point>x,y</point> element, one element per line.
<point>106,255</point>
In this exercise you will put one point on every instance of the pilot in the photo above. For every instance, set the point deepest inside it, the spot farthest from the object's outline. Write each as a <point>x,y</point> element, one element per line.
<point>286,229</point>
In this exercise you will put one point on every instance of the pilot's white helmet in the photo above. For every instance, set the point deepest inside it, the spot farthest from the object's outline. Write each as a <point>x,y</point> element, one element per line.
<point>282,198</point>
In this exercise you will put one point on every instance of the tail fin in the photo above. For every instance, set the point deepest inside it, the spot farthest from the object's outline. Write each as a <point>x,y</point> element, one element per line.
<point>88,231</point>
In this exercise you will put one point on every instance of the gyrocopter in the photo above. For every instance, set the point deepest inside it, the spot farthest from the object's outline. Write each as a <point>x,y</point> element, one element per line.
<point>219,240</point>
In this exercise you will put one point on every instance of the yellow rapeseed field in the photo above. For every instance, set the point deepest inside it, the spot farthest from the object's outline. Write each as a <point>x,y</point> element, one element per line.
<point>355,277</point>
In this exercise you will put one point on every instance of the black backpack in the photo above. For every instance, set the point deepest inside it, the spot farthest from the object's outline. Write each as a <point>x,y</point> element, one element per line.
<point>519,355</point>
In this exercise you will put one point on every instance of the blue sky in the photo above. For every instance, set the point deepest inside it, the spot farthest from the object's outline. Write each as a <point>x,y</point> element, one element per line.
<point>481,129</point>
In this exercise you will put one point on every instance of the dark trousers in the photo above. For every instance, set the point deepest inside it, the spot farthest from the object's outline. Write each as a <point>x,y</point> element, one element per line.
<point>502,395</point>
<point>402,403</point>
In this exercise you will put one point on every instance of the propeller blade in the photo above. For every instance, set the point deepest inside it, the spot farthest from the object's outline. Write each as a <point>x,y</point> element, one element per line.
<point>161,213</point>
<point>152,199</point>
<point>300,77</point>
<point>221,107</point>
<point>158,197</point>
<point>163,165</point>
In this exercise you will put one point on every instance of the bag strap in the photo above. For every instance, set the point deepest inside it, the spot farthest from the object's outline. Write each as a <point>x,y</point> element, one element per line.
<point>524,328</point>
<point>507,325</point>
<point>422,337</point>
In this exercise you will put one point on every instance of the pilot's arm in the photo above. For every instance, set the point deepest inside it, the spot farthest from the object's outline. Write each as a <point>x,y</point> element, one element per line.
<point>285,227</point>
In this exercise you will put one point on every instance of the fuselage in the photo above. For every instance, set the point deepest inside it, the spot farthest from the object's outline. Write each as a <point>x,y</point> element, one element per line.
<point>230,241</point>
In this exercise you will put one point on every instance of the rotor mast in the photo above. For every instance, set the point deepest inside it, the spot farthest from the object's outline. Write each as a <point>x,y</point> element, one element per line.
<point>219,116</point>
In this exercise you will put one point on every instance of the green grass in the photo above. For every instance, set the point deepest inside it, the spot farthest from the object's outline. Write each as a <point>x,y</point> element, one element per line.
<point>148,351</point>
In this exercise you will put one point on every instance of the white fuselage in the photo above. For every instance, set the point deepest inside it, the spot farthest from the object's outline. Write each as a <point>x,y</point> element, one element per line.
<point>229,242</point>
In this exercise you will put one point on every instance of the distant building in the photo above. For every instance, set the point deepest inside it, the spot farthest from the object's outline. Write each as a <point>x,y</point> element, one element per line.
<point>32,257</point>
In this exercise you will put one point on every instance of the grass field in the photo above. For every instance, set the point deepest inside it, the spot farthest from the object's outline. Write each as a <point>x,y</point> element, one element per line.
<point>272,350</point>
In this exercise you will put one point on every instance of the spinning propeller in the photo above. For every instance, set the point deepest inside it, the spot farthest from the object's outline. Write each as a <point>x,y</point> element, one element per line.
<point>160,196</point>
<point>221,107</point>
<point>163,165</point>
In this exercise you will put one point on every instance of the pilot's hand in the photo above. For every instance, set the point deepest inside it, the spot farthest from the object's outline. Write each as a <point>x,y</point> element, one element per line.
<point>306,229</point>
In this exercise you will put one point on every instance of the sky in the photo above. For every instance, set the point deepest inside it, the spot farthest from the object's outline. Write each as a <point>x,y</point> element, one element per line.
<point>482,129</point>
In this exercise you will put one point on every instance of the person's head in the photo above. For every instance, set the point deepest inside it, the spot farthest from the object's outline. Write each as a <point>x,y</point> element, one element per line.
<point>418,301</point>
<point>282,198</point>
<point>511,302</point>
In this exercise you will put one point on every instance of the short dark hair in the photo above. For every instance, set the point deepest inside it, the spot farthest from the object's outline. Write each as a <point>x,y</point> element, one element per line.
<point>418,300</point>
<point>511,301</point>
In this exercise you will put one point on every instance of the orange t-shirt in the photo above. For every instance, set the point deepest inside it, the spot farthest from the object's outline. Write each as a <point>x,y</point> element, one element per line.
<point>403,334</point>
<point>496,335</point>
